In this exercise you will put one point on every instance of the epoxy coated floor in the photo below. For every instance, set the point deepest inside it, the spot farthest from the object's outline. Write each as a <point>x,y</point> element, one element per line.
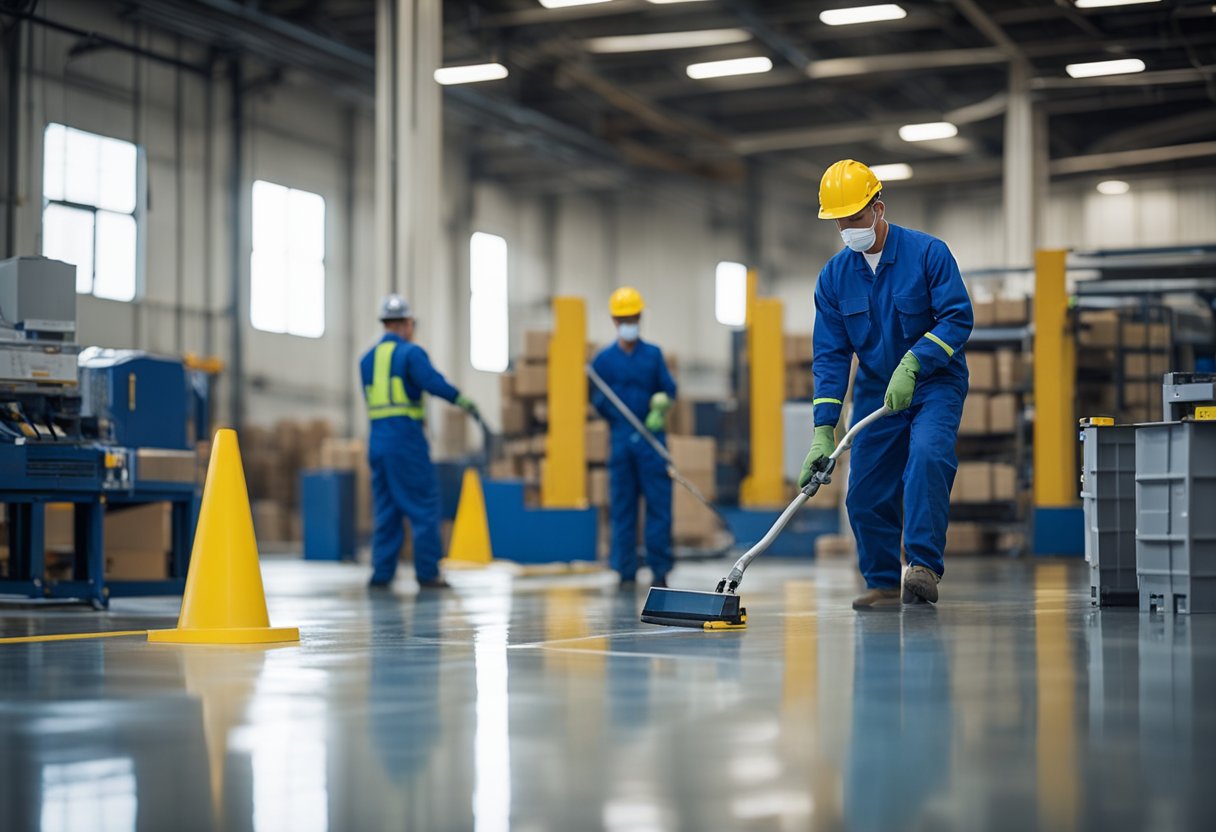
<point>543,704</point>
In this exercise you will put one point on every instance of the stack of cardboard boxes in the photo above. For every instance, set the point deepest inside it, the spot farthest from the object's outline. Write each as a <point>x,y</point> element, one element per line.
<point>998,378</point>
<point>693,524</point>
<point>1120,362</point>
<point>273,461</point>
<point>799,384</point>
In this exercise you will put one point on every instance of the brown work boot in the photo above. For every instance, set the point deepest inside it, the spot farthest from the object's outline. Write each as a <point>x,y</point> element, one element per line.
<point>920,584</point>
<point>877,599</point>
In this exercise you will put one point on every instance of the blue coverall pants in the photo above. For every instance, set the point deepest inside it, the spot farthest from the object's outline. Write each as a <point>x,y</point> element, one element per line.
<point>636,469</point>
<point>900,475</point>
<point>404,485</point>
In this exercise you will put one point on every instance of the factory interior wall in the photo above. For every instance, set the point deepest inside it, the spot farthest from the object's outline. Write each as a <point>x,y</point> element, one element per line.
<point>662,235</point>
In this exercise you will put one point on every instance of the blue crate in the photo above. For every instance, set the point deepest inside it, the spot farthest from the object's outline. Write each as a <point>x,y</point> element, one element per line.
<point>327,508</point>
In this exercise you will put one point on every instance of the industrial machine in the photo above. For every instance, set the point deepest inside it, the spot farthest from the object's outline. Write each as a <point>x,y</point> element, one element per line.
<point>99,431</point>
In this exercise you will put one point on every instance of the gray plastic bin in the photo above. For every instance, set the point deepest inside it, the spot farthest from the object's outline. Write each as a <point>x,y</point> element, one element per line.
<point>1176,516</point>
<point>1109,502</point>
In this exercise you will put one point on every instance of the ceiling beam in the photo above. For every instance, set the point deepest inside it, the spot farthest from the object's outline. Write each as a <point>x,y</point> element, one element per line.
<point>1103,162</point>
<point>989,28</point>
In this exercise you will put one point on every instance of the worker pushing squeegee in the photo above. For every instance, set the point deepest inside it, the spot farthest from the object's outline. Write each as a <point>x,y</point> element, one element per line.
<point>893,297</point>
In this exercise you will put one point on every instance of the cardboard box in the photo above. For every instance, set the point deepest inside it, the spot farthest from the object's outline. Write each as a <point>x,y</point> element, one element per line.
<point>137,565</point>
<point>694,454</point>
<point>454,437</point>
<point>1141,394</point>
<point>972,483</point>
<point>681,418</point>
<point>1003,413</point>
<point>799,383</point>
<point>138,528</point>
<point>834,545</point>
<point>1098,328</point>
<point>536,345</point>
<point>269,521</point>
<point>597,486</point>
<point>506,386</point>
<point>156,465</point>
<point>1004,481</point>
<point>1139,335</point>
<point>692,521</point>
<point>597,441</point>
<point>531,379</point>
<point>60,527</point>
<point>514,417</point>
<point>981,365</point>
<point>798,349</point>
<point>1013,369</point>
<point>1011,311</point>
<point>975,415</point>
<point>963,538</point>
<point>984,312</point>
<point>504,469</point>
<point>1145,365</point>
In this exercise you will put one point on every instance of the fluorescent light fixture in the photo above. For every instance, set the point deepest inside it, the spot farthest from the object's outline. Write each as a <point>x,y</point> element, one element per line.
<point>669,2</point>
<point>735,66</point>
<point>892,173</point>
<point>928,132</point>
<point>1113,187</point>
<point>1099,4</point>
<point>667,40</point>
<point>565,4</point>
<point>862,14</point>
<point>1094,69</point>
<point>471,74</point>
<point>730,293</point>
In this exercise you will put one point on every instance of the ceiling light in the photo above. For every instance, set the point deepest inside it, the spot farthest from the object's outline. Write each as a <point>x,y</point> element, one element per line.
<point>862,14</point>
<point>892,173</point>
<point>1122,66</point>
<point>1098,4</point>
<point>668,2</point>
<point>667,40</point>
<point>735,66</point>
<point>1113,187</point>
<point>562,4</point>
<point>928,132</point>
<point>470,74</point>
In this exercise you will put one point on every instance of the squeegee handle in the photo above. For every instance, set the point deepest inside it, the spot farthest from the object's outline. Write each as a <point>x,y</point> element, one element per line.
<point>633,420</point>
<point>821,477</point>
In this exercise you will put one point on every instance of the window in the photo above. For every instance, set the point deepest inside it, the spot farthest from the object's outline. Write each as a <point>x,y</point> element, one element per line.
<point>287,267</point>
<point>730,294</point>
<point>488,303</point>
<point>90,209</point>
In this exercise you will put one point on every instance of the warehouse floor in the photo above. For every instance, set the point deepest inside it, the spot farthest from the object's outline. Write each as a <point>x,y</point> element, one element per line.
<point>542,704</point>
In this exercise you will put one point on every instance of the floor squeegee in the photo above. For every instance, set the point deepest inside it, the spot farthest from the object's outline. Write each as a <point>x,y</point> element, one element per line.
<point>720,609</point>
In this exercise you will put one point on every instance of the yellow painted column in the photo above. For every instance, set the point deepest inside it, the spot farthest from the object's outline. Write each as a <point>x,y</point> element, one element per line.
<point>1055,373</point>
<point>765,484</point>
<point>564,484</point>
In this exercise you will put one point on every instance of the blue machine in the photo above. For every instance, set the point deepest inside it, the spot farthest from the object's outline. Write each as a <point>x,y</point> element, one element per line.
<point>80,427</point>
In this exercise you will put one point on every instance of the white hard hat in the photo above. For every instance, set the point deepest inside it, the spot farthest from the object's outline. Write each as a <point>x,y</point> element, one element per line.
<point>395,308</point>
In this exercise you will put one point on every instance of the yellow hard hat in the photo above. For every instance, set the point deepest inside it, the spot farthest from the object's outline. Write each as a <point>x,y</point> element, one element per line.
<point>626,302</point>
<point>845,189</point>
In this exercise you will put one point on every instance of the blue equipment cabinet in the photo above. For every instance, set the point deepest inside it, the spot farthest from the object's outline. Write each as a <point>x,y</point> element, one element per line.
<point>327,506</point>
<point>138,400</point>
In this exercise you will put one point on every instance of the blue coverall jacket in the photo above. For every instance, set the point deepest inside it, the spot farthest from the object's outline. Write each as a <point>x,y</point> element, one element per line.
<point>902,467</point>
<point>634,467</point>
<point>396,374</point>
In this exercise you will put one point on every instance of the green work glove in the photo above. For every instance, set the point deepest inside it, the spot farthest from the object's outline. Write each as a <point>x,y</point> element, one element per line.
<point>466,404</point>
<point>821,447</point>
<point>902,384</point>
<point>656,419</point>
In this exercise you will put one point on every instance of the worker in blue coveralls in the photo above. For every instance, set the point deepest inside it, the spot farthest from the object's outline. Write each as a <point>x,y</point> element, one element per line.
<point>894,298</point>
<point>396,374</point>
<point>637,373</point>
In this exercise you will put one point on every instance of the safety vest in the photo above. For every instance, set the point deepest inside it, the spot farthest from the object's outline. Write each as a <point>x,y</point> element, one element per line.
<point>386,396</point>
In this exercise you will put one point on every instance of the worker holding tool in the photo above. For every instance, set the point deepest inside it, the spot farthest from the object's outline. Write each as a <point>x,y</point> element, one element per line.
<point>636,371</point>
<point>893,297</point>
<point>396,374</point>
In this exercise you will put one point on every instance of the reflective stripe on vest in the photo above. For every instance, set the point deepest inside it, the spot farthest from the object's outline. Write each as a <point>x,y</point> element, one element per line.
<point>386,394</point>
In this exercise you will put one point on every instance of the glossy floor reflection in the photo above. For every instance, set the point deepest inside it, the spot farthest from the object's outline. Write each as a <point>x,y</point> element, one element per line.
<point>542,704</point>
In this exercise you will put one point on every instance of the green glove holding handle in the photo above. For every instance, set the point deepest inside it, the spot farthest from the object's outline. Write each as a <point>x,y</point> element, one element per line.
<point>466,404</point>
<point>821,448</point>
<point>656,419</point>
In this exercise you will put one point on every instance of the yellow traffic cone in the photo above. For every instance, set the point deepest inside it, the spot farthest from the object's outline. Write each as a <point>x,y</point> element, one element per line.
<point>470,544</point>
<point>224,601</point>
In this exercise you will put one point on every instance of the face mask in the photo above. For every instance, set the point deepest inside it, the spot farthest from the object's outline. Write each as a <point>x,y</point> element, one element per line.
<point>861,239</point>
<point>629,332</point>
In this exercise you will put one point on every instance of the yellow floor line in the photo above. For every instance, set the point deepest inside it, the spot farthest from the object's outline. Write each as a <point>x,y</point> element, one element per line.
<point>72,636</point>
